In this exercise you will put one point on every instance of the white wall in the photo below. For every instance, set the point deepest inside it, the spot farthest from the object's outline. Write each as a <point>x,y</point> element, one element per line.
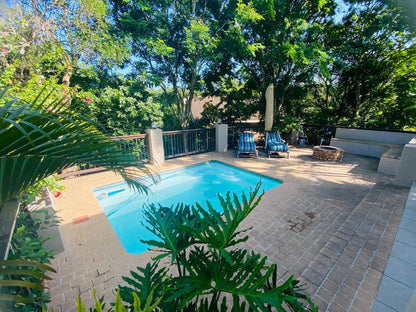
<point>406,173</point>
<point>358,148</point>
<point>400,138</point>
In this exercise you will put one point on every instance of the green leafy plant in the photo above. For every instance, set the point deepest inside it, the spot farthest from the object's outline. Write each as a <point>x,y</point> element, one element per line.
<point>288,123</point>
<point>26,242</point>
<point>23,281</point>
<point>119,306</point>
<point>37,142</point>
<point>208,271</point>
<point>28,262</point>
<point>36,190</point>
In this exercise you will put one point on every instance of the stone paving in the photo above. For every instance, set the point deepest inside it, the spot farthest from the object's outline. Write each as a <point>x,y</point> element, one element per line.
<point>397,290</point>
<point>329,224</point>
<point>346,272</point>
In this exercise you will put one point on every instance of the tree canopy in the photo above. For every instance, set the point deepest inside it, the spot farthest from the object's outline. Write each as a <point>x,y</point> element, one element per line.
<point>133,62</point>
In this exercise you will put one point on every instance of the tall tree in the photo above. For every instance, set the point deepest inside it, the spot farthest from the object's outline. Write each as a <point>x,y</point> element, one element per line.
<point>74,34</point>
<point>122,106</point>
<point>373,70</point>
<point>172,43</point>
<point>291,51</point>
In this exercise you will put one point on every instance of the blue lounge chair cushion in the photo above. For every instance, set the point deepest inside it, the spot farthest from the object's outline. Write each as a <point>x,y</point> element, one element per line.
<point>277,146</point>
<point>246,143</point>
<point>275,143</point>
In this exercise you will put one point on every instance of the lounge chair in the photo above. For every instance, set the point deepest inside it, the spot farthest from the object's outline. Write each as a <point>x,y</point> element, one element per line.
<point>274,144</point>
<point>246,144</point>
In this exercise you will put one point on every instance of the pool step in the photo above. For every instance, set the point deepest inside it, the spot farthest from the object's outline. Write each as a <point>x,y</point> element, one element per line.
<point>346,273</point>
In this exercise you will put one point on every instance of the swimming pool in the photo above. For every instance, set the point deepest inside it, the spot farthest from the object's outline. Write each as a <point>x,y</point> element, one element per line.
<point>197,183</point>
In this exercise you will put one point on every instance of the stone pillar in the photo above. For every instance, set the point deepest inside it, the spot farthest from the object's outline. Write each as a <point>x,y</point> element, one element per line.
<point>221,138</point>
<point>155,145</point>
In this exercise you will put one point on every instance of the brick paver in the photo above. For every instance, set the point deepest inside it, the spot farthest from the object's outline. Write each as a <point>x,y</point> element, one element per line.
<point>330,224</point>
<point>357,253</point>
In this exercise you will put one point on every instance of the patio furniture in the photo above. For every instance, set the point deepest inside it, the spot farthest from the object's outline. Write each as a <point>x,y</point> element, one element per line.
<point>246,144</point>
<point>275,145</point>
<point>325,137</point>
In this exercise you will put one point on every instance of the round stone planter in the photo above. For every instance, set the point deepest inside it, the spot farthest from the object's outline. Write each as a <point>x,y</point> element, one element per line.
<point>329,153</point>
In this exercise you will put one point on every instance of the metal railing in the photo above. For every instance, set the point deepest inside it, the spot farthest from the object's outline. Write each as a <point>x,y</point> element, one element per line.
<point>187,142</point>
<point>135,142</point>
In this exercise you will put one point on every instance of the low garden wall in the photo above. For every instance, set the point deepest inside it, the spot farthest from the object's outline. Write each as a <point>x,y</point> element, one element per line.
<point>389,137</point>
<point>406,172</point>
<point>396,150</point>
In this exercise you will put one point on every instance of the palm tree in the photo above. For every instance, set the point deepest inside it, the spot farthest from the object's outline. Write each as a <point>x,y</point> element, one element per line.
<point>37,141</point>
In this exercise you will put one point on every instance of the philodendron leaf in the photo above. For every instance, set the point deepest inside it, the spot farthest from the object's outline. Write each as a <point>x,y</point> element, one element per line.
<point>220,229</point>
<point>166,224</point>
<point>147,282</point>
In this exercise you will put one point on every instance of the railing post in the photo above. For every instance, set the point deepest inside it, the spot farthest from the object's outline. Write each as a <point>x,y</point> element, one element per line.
<point>155,144</point>
<point>185,142</point>
<point>221,138</point>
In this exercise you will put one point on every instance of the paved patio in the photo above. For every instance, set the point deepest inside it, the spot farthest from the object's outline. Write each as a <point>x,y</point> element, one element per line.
<point>332,225</point>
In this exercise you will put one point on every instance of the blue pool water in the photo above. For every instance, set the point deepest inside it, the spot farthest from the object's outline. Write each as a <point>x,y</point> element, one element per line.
<point>189,185</point>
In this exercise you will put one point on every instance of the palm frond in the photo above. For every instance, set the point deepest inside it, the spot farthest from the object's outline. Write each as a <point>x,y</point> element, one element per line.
<point>13,274</point>
<point>36,142</point>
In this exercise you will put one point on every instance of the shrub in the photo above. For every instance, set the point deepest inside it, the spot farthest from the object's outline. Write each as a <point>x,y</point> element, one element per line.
<point>212,272</point>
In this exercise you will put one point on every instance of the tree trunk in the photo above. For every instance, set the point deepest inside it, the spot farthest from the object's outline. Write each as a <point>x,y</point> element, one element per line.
<point>357,96</point>
<point>66,79</point>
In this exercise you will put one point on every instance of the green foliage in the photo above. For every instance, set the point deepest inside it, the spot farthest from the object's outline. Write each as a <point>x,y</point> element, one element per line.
<point>120,111</point>
<point>22,281</point>
<point>35,190</point>
<point>26,242</point>
<point>287,124</point>
<point>372,49</point>
<point>212,272</point>
<point>210,114</point>
<point>118,305</point>
<point>289,53</point>
<point>54,39</point>
<point>39,142</point>
<point>172,42</point>
<point>148,280</point>
<point>25,269</point>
